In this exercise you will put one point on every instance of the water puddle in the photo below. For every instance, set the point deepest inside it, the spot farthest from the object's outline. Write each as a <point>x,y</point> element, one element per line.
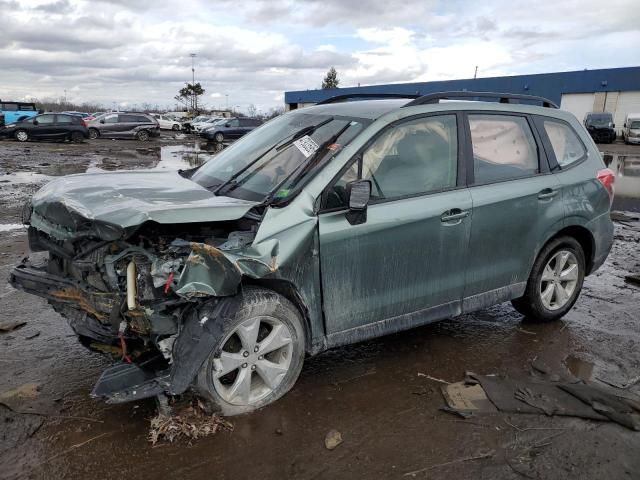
<point>579,368</point>
<point>627,186</point>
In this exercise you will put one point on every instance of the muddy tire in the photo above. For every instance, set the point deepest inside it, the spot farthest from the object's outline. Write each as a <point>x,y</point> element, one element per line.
<point>142,135</point>
<point>219,137</point>
<point>555,281</point>
<point>21,135</point>
<point>93,133</point>
<point>258,357</point>
<point>76,137</point>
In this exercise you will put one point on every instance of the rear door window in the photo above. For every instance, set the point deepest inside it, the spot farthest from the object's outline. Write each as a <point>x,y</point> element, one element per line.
<point>503,148</point>
<point>566,145</point>
<point>63,119</point>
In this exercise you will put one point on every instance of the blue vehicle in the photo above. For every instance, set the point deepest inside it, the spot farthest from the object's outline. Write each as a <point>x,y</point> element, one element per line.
<point>16,111</point>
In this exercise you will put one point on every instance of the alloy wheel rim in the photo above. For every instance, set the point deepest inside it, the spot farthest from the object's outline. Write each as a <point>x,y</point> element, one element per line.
<point>559,280</point>
<point>22,136</point>
<point>253,361</point>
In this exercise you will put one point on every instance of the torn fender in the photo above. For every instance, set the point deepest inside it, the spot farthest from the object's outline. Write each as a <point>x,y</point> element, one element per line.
<point>210,271</point>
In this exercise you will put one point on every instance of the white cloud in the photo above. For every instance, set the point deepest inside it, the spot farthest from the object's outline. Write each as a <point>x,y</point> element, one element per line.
<point>113,51</point>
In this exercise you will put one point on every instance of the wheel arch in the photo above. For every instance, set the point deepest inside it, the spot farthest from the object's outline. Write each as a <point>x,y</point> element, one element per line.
<point>583,236</point>
<point>289,291</point>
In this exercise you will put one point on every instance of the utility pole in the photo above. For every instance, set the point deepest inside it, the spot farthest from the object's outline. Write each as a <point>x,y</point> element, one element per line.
<point>475,73</point>
<point>194,98</point>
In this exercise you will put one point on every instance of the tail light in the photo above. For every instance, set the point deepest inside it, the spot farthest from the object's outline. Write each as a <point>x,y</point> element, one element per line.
<point>84,124</point>
<point>607,178</point>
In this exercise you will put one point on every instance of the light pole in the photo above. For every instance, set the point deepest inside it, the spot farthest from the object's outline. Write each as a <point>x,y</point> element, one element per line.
<point>227,97</point>
<point>194,98</point>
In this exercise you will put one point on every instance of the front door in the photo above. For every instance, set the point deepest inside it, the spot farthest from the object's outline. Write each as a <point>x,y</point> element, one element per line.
<point>45,128</point>
<point>409,254</point>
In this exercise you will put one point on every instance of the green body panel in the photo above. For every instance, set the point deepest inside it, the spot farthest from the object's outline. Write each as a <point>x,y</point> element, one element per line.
<point>508,225</point>
<point>401,260</point>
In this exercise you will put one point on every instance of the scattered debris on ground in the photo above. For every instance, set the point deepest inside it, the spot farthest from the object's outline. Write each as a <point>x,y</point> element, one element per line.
<point>332,439</point>
<point>190,422</point>
<point>10,324</point>
<point>16,428</point>
<point>485,393</point>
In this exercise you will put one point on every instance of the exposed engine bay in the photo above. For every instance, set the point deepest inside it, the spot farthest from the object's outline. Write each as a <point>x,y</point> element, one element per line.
<point>130,298</point>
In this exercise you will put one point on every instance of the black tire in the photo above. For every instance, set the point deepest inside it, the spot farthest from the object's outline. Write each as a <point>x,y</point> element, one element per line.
<point>219,137</point>
<point>143,135</point>
<point>175,128</point>
<point>21,135</point>
<point>256,302</point>
<point>530,304</point>
<point>76,137</point>
<point>93,133</point>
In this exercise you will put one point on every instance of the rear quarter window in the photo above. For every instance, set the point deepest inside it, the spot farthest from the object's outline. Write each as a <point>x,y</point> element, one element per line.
<point>566,145</point>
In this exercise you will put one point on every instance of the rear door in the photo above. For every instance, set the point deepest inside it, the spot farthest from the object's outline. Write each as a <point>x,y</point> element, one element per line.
<point>409,254</point>
<point>516,202</point>
<point>63,125</point>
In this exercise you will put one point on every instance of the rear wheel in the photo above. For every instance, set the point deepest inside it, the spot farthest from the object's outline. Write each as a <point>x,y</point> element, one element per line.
<point>175,128</point>
<point>218,137</point>
<point>142,135</point>
<point>93,133</point>
<point>555,281</point>
<point>259,354</point>
<point>21,135</point>
<point>76,137</point>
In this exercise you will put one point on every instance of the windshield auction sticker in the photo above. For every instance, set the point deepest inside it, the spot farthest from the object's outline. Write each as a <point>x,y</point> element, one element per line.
<point>306,146</point>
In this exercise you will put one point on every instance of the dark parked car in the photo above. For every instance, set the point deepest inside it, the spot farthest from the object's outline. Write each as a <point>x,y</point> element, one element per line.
<point>231,129</point>
<point>49,126</point>
<point>600,126</point>
<point>124,125</point>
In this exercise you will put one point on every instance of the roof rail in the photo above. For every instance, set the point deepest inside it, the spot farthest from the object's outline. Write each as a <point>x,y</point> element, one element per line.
<point>503,98</point>
<point>347,96</point>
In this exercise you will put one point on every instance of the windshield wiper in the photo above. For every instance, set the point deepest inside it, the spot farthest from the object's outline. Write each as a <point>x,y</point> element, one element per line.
<point>302,132</point>
<point>306,166</point>
<point>231,182</point>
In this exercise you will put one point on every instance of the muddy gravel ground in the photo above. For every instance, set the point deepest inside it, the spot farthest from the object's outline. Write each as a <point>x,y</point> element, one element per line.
<point>377,394</point>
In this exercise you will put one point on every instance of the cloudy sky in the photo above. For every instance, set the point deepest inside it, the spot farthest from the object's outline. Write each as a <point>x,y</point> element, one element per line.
<point>129,52</point>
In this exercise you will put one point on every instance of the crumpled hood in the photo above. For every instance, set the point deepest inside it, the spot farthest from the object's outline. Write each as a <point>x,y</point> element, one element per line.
<point>127,199</point>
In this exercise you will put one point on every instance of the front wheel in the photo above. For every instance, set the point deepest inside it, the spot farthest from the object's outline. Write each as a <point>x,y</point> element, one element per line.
<point>142,135</point>
<point>218,137</point>
<point>21,136</point>
<point>555,281</point>
<point>259,354</point>
<point>93,133</point>
<point>176,128</point>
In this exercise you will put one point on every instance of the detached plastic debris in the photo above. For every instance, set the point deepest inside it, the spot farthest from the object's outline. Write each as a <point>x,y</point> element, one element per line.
<point>483,394</point>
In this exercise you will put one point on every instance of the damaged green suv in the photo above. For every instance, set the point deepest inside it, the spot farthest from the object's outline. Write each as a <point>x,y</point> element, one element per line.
<point>326,226</point>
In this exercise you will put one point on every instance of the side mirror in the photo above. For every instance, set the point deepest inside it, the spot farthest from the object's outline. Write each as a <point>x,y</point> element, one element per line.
<point>227,124</point>
<point>359,193</point>
<point>35,122</point>
<point>613,125</point>
<point>101,121</point>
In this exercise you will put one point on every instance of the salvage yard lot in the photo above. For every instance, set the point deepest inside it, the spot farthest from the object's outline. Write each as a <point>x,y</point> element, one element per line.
<point>383,396</point>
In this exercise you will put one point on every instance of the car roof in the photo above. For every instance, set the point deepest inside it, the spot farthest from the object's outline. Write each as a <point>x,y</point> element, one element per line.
<point>371,109</point>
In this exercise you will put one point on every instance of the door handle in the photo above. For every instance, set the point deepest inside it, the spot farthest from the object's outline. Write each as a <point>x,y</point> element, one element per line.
<point>454,214</point>
<point>547,193</point>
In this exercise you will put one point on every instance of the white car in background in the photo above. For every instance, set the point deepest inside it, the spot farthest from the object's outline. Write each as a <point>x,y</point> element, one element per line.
<point>199,126</point>
<point>167,123</point>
